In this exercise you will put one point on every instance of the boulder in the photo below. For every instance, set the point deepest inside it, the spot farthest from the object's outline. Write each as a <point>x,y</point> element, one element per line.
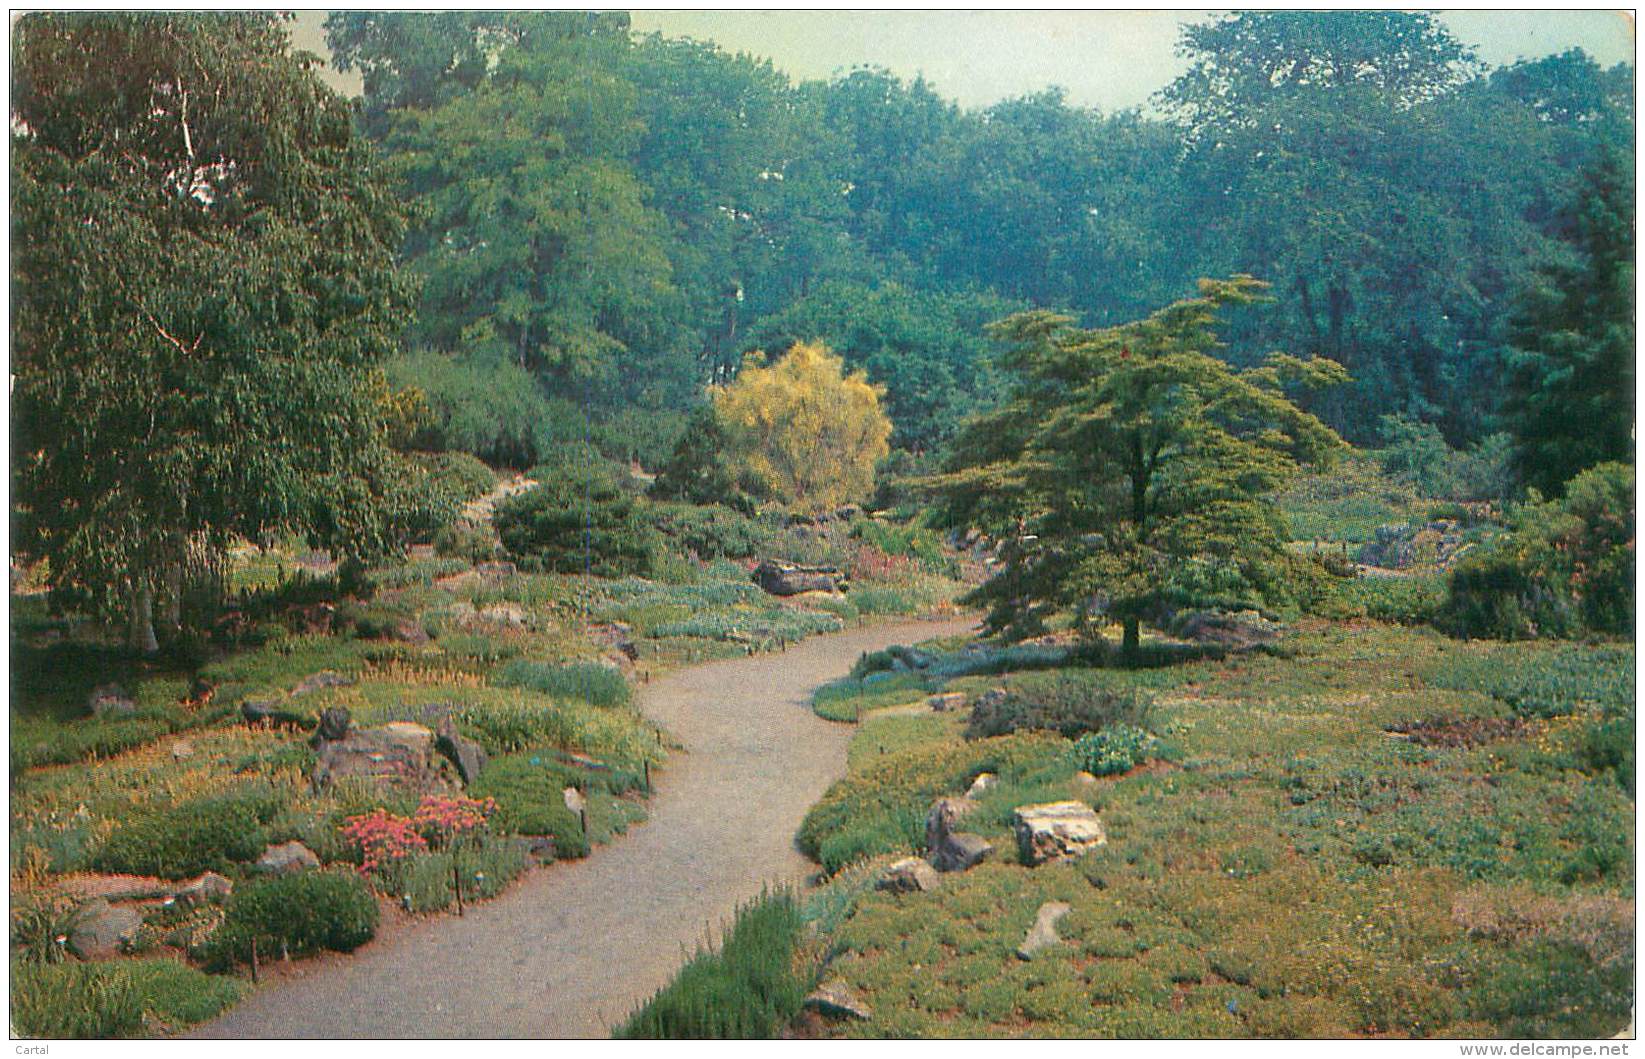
<point>497,571</point>
<point>952,850</point>
<point>539,848</point>
<point>209,888</point>
<point>948,700</point>
<point>334,724</point>
<point>466,754</point>
<point>321,681</point>
<point>790,579</point>
<point>1056,831</point>
<point>287,858</point>
<point>980,786</point>
<point>401,752</point>
<point>1043,933</point>
<point>101,929</point>
<point>411,632</point>
<point>1244,628</point>
<point>502,615</point>
<point>111,700</point>
<point>908,875</point>
<point>260,711</point>
<point>836,1000</point>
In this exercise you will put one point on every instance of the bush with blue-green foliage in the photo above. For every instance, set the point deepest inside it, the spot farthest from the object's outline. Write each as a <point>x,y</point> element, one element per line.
<point>1114,749</point>
<point>595,683</point>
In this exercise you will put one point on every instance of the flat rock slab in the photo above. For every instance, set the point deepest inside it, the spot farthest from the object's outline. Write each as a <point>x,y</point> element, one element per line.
<point>1056,831</point>
<point>909,875</point>
<point>1043,933</point>
<point>836,1000</point>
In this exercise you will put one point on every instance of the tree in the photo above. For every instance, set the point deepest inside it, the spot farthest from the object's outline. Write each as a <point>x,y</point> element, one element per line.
<point>1570,402</point>
<point>537,244</point>
<point>1129,469</point>
<point>802,427</point>
<point>203,289</point>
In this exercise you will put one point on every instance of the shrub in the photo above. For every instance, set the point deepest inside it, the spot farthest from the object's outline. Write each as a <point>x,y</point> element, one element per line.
<point>299,914</point>
<point>593,682</point>
<point>1115,749</point>
<point>529,789</point>
<point>458,473</point>
<point>462,540</point>
<point>911,541</point>
<point>580,520</point>
<point>713,531</point>
<point>1064,703</point>
<point>1564,568</point>
<point>751,988</point>
<point>206,834</point>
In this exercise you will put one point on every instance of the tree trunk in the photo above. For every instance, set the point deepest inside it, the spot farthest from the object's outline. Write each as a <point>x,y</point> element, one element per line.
<point>140,635</point>
<point>173,607</point>
<point>1133,638</point>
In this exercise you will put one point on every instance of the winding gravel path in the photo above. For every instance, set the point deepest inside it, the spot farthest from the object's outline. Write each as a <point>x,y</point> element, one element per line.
<point>570,951</point>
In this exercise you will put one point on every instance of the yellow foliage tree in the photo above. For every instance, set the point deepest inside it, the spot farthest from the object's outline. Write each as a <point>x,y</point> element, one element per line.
<point>804,427</point>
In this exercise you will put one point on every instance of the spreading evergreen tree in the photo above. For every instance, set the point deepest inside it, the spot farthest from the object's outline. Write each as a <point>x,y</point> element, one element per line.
<point>1570,402</point>
<point>1129,470</point>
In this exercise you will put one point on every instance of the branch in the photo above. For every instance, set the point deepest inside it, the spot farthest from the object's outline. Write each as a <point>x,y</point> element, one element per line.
<point>167,335</point>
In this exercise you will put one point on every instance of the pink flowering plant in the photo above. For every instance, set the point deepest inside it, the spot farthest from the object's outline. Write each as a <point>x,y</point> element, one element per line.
<point>383,839</point>
<point>444,820</point>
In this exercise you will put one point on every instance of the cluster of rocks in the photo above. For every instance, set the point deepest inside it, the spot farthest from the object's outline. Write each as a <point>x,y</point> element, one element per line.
<point>1402,546</point>
<point>105,926</point>
<point>400,752</point>
<point>780,578</point>
<point>1232,629</point>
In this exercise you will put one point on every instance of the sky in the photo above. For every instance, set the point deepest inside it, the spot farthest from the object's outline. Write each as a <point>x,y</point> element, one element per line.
<point>1105,59</point>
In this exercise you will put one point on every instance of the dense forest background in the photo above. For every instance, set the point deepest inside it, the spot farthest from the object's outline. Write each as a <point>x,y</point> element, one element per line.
<point>609,223</point>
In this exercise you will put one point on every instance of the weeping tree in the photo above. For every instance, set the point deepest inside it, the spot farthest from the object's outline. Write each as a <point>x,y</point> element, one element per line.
<point>1129,471</point>
<point>203,288</point>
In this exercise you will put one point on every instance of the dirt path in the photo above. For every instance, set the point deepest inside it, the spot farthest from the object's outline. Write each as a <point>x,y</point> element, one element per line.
<point>570,951</point>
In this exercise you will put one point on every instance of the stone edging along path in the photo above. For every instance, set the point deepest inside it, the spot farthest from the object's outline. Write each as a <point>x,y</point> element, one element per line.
<point>571,950</point>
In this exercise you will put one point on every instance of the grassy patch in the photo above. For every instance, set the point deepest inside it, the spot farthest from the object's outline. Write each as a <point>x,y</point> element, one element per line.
<point>751,988</point>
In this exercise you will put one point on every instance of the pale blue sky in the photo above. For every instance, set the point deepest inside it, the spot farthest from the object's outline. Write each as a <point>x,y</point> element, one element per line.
<point>1106,59</point>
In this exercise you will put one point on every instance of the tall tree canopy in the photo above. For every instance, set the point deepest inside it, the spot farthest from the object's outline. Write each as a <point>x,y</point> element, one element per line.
<point>203,287</point>
<point>1571,379</point>
<point>627,216</point>
<point>1129,469</point>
